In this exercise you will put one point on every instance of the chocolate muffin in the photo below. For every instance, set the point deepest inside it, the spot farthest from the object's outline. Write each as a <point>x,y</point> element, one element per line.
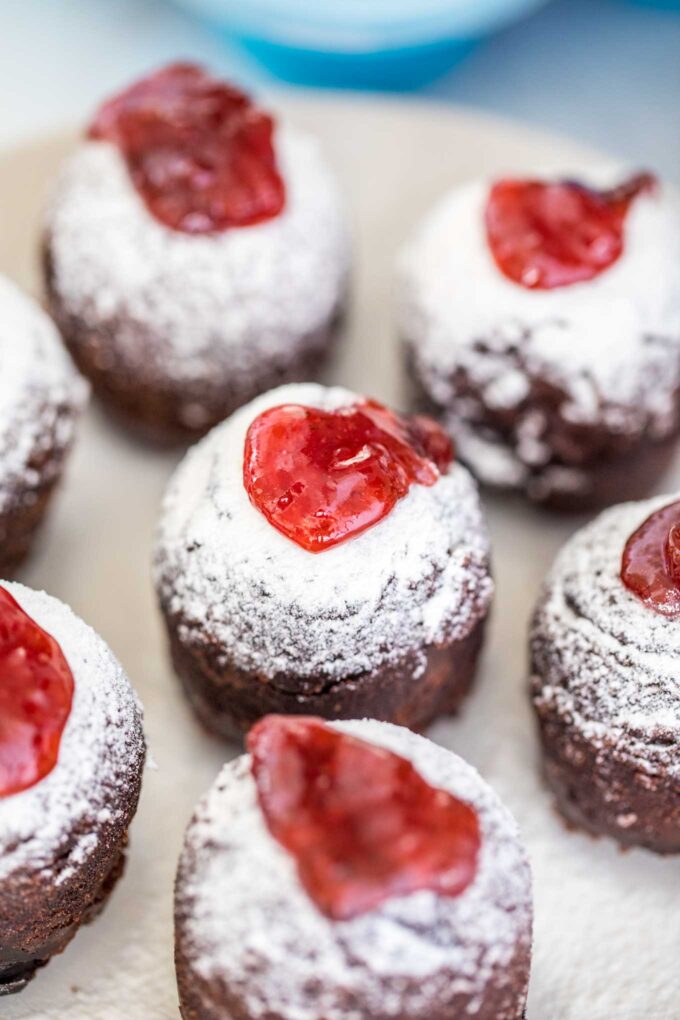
<point>542,326</point>
<point>605,655</point>
<point>71,757</point>
<point>41,398</point>
<point>320,554</point>
<point>401,898</point>
<point>196,253</point>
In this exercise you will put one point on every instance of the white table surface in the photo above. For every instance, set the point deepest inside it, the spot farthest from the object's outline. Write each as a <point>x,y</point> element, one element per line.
<point>604,71</point>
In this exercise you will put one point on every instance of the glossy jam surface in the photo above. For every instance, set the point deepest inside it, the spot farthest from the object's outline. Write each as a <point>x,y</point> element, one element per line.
<point>650,567</point>
<point>199,152</point>
<point>546,234</point>
<point>321,477</point>
<point>361,823</point>
<point>36,694</point>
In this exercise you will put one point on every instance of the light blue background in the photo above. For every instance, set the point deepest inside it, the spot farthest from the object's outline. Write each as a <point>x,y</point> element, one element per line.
<point>605,71</point>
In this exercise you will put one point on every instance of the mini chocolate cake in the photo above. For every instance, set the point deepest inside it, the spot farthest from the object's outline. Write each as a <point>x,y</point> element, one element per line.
<point>41,397</point>
<point>196,253</point>
<point>542,326</point>
<point>277,594</point>
<point>605,651</point>
<point>398,899</point>
<point>71,757</point>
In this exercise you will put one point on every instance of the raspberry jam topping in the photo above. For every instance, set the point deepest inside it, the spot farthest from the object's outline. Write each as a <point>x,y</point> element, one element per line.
<point>198,151</point>
<point>362,824</point>
<point>650,566</point>
<point>551,234</point>
<point>321,477</point>
<point>36,693</point>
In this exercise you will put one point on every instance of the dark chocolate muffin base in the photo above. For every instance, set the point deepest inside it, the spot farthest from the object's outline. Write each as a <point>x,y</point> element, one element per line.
<point>630,476</point>
<point>19,526</point>
<point>603,790</point>
<point>613,466</point>
<point>42,908</point>
<point>229,700</point>
<point>19,966</point>
<point>21,520</point>
<point>167,412</point>
<point>504,997</point>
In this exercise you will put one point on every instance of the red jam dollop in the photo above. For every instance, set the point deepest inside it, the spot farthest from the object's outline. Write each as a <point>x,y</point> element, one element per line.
<point>199,152</point>
<point>361,823</point>
<point>546,234</point>
<point>321,477</point>
<point>36,694</point>
<point>650,567</point>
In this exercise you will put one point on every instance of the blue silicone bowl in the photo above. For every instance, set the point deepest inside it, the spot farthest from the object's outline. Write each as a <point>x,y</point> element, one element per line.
<point>393,44</point>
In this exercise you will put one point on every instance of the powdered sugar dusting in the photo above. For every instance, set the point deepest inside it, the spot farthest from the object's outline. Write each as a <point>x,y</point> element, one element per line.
<point>270,943</point>
<point>101,754</point>
<point>276,608</point>
<point>217,305</point>
<point>41,395</point>
<point>611,345</point>
<point>608,662</point>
